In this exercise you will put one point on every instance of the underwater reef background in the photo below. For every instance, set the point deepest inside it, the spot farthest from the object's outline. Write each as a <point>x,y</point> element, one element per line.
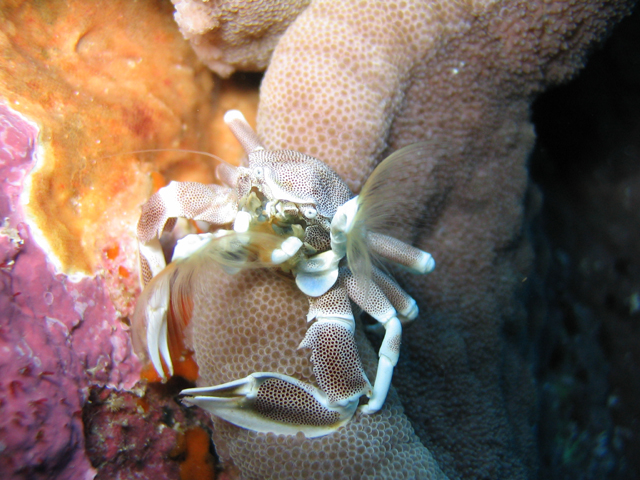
<point>84,84</point>
<point>587,166</point>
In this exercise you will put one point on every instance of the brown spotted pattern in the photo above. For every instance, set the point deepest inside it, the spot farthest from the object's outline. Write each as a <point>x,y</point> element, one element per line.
<point>304,177</point>
<point>334,303</point>
<point>287,403</point>
<point>393,249</point>
<point>336,363</point>
<point>400,299</point>
<point>369,297</point>
<point>318,238</point>
<point>145,271</point>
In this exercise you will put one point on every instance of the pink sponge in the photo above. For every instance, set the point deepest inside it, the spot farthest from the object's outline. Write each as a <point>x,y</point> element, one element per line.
<point>57,337</point>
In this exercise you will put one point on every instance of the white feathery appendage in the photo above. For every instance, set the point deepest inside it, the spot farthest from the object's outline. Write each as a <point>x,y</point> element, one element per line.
<point>231,250</point>
<point>165,305</point>
<point>376,206</point>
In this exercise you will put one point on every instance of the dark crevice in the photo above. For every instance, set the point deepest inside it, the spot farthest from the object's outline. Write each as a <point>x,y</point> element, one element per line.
<point>587,239</point>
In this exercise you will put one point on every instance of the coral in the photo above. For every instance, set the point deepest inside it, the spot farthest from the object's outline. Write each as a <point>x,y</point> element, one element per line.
<point>462,76</point>
<point>348,82</point>
<point>56,335</point>
<point>237,34</point>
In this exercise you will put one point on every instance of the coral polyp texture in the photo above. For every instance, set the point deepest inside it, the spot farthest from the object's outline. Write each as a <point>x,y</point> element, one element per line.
<point>268,322</point>
<point>235,35</point>
<point>349,81</point>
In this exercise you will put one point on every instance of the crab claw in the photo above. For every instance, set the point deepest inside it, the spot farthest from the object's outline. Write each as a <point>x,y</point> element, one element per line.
<point>271,402</point>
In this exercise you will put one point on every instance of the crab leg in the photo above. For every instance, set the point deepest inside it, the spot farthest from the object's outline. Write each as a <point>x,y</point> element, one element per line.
<point>211,203</point>
<point>335,358</point>
<point>397,251</point>
<point>416,260</point>
<point>272,402</point>
<point>372,300</point>
<point>151,259</point>
<point>242,131</point>
<point>404,304</point>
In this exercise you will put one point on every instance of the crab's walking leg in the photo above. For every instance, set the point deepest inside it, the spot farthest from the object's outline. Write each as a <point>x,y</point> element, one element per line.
<point>212,203</point>
<point>418,261</point>
<point>372,300</point>
<point>242,131</point>
<point>335,358</point>
<point>404,303</point>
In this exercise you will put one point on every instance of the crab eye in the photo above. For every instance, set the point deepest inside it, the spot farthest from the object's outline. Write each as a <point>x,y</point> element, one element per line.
<point>309,212</point>
<point>258,172</point>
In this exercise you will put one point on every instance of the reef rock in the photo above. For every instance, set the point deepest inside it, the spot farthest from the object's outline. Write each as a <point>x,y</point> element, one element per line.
<point>235,35</point>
